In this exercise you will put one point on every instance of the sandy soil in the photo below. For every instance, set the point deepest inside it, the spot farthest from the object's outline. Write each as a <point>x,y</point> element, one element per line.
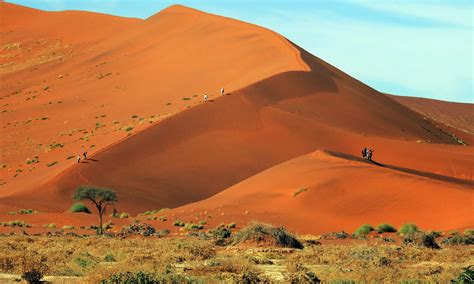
<point>130,91</point>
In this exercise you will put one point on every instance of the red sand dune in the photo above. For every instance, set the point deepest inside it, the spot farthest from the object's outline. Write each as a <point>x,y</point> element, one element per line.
<point>283,103</point>
<point>457,115</point>
<point>321,192</point>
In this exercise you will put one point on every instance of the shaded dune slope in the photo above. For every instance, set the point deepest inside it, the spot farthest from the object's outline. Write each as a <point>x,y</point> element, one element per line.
<point>327,191</point>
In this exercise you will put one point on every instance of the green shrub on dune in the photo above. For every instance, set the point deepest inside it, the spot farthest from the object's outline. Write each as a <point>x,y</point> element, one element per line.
<point>363,230</point>
<point>79,208</point>
<point>386,228</point>
<point>408,228</point>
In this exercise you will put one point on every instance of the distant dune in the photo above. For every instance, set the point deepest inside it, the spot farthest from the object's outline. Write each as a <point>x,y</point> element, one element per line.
<point>130,92</point>
<point>322,192</point>
<point>457,115</point>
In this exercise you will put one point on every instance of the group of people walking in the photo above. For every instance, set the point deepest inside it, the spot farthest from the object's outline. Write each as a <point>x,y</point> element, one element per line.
<point>367,153</point>
<point>79,157</point>
<point>206,97</point>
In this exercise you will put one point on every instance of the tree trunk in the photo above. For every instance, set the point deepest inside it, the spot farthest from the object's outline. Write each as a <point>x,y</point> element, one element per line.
<point>100,221</point>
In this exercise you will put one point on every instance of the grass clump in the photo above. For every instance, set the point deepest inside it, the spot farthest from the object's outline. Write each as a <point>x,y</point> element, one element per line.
<point>109,258</point>
<point>459,240</point>
<point>408,228</point>
<point>421,239</point>
<point>466,276</point>
<point>469,232</point>
<point>265,233</point>
<point>51,164</point>
<point>129,128</point>
<point>79,208</point>
<point>51,226</point>
<point>68,227</point>
<point>124,215</point>
<point>363,230</point>
<point>386,228</point>
<point>26,211</point>
<point>16,223</point>
<point>299,191</point>
<point>178,223</point>
<point>193,227</point>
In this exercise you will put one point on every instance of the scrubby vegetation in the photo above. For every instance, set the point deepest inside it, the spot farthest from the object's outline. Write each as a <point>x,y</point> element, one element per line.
<point>386,228</point>
<point>265,233</point>
<point>363,230</point>
<point>79,208</point>
<point>408,228</point>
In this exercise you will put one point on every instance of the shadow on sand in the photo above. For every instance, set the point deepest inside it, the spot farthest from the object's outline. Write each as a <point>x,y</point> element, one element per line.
<point>434,176</point>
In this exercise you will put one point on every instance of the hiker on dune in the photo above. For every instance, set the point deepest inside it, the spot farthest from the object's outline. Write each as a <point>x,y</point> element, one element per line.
<point>369,157</point>
<point>78,158</point>
<point>222,91</point>
<point>206,98</point>
<point>85,155</point>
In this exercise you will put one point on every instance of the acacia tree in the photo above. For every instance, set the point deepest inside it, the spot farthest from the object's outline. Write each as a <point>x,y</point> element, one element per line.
<point>99,196</point>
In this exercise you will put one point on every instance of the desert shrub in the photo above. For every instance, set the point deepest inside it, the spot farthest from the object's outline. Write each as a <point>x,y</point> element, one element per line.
<point>141,277</point>
<point>137,228</point>
<point>51,164</point>
<point>193,227</point>
<point>261,233</point>
<point>335,236</point>
<point>68,227</point>
<point>79,208</point>
<point>129,128</point>
<point>421,239</point>
<point>32,276</point>
<point>459,240</point>
<point>408,228</point>
<point>386,228</point>
<point>124,215</point>
<point>466,276</point>
<point>52,226</point>
<point>162,233</point>
<point>363,230</point>
<point>26,211</point>
<point>199,250</point>
<point>298,273</point>
<point>221,232</point>
<point>469,232</point>
<point>16,223</point>
<point>163,219</point>
<point>178,223</point>
<point>109,258</point>
<point>231,225</point>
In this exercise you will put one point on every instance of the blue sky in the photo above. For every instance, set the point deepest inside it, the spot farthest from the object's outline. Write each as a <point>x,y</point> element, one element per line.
<point>418,48</point>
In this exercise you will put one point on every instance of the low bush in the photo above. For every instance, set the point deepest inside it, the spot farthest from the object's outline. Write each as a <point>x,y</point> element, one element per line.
<point>16,223</point>
<point>68,227</point>
<point>109,258</point>
<point>421,239</point>
<point>79,208</point>
<point>386,228</point>
<point>193,227</point>
<point>469,232</point>
<point>363,230</point>
<point>265,233</point>
<point>459,240</point>
<point>178,223</point>
<point>52,226</point>
<point>137,228</point>
<point>408,228</point>
<point>221,232</point>
<point>26,211</point>
<point>466,276</point>
<point>124,215</point>
<point>32,276</point>
<point>141,277</point>
<point>335,236</point>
